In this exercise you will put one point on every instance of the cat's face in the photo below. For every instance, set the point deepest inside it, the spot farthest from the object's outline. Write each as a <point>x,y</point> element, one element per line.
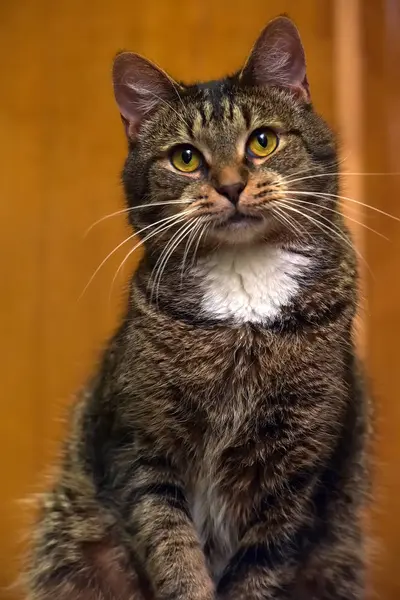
<point>224,160</point>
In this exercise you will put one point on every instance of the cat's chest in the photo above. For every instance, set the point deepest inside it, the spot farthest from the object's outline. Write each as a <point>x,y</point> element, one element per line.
<point>220,483</point>
<point>213,518</point>
<point>250,285</point>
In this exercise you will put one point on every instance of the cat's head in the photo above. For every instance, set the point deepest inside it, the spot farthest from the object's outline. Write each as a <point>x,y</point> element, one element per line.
<point>232,161</point>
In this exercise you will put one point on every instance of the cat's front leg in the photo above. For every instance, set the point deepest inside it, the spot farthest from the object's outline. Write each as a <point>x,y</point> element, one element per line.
<point>289,567</point>
<point>335,567</point>
<point>260,570</point>
<point>163,535</point>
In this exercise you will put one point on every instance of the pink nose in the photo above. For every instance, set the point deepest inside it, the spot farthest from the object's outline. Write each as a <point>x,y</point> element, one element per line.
<point>232,191</point>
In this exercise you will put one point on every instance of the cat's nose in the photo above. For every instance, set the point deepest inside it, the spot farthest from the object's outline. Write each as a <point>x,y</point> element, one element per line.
<point>232,191</point>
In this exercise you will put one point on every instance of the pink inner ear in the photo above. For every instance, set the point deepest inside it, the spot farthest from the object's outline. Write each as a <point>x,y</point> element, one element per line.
<point>278,58</point>
<point>139,87</point>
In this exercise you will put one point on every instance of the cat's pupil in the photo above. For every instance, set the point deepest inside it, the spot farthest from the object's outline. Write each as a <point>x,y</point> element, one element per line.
<point>262,139</point>
<point>187,155</point>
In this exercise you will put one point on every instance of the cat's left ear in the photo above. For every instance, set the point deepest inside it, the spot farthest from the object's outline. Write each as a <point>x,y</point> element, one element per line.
<point>278,59</point>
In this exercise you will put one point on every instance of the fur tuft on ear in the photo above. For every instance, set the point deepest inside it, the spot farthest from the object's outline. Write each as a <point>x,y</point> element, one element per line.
<point>139,87</point>
<point>278,59</point>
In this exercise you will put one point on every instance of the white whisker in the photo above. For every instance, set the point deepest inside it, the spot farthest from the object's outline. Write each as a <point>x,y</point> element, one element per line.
<point>311,168</point>
<point>290,222</point>
<point>145,239</point>
<point>166,219</point>
<point>328,196</point>
<point>175,243</point>
<point>129,209</point>
<point>335,231</point>
<point>307,203</point>
<point>189,243</point>
<point>343,173</point>
<point>333,163</point>
<point>163,259</point>
<point>205,227</point>
<point>154,270</point>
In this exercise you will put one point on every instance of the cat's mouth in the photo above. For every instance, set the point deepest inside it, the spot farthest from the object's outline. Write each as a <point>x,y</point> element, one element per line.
<point>238,226</point>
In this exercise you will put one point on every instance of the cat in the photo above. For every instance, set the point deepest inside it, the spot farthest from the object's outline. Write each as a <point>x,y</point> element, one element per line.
<point>220,451</point>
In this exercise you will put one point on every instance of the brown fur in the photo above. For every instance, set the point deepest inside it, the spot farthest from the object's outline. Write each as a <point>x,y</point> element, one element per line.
<point>216,457</point>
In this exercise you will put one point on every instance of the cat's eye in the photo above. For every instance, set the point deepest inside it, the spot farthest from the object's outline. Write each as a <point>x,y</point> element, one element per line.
<point>186,159</point>
<point>262,142</point>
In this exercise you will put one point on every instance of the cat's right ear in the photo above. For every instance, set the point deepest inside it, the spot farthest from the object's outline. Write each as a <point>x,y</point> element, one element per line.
<point>139,87</point>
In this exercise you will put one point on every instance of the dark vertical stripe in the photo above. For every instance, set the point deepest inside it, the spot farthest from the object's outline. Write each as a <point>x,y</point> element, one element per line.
<point>230,100</point>
<point>246,116</point>
<point>217,93</point>
<point>202,115</point>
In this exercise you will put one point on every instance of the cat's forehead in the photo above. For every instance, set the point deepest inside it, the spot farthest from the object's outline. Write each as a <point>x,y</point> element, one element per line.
<point>217,114</point>
<point>221,103</point>
<point>219,118</point>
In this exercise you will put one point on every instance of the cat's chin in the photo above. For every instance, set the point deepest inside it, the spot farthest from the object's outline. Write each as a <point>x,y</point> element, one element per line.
<point>241,231</point>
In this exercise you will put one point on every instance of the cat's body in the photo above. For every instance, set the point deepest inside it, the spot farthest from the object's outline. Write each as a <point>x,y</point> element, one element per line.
<point>220,450</point>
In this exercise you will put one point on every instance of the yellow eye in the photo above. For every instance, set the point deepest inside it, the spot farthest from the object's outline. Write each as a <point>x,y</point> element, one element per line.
<point>262,142</point>
<point>186,159</point>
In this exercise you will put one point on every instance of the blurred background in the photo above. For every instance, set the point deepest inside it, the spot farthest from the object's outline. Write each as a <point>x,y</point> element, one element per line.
<point>61,151</point>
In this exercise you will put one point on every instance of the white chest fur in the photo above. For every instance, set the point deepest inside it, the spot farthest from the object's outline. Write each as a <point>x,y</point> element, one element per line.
<point>250,284</point>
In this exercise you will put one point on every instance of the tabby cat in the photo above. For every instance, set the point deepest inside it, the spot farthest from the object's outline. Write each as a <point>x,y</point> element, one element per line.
<point>219,451</point>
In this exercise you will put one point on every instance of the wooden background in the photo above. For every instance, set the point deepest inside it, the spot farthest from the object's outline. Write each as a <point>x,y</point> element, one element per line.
<point>61,152</point>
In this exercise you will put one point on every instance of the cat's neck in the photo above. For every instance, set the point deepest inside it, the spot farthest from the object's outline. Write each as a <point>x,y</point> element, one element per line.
<point>239,284</point>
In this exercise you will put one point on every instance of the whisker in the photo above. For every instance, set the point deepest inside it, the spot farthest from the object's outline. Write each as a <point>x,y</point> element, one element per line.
<point>283,219</point>
<point>129,209</point>
<point>204,229</point>
<point>305,202</point>
<point>336,233</point>
<point>337,161</point>
<point>344,173</point>
<point>311,168</point>
<point>140,243</point>
<point>163,259</point>
<point>332,227</point>
<point>188,245</point>
<point>166,219</point>
<point>328,195</point>
<point>152,280</point>
<point>205,225</point>
<point>290,222</point>
<point>313,194</point>
<point>154,271</point>
<point>185,231</point>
